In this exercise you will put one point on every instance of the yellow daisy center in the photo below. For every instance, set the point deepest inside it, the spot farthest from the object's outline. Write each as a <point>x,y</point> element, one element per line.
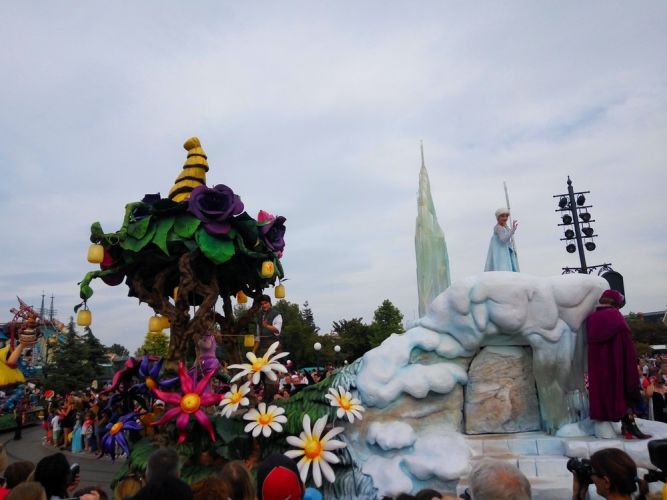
<point>190,402</point>
<point>116,428</point>
<point>345,403</point>
<point>235,398</point>
<point>258,364</point>
<point>265,419</point>
<point>312,448</point>
<point>150,383</point>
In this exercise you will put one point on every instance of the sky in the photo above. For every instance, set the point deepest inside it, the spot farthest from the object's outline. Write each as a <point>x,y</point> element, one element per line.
<point>315,111</point>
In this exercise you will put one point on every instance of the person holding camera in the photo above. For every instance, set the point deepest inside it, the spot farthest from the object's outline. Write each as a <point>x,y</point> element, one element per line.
<point>613,473</point>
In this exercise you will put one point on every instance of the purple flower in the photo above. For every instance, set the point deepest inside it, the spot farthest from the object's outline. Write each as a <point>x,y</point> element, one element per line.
<point>215,207</point>
<point>272,233</point>
<point>149,375</point>
<point>116,434</point>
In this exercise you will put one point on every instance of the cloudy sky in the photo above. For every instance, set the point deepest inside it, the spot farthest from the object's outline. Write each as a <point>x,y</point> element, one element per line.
<point>315,110</point>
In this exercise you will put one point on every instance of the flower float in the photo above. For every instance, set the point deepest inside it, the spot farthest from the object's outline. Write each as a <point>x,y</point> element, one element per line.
<point>267,364</point>
<point>315,449</point>
<point>233,398</point>
<point>188,403</point>
<point>265,420</point>
<point>347,405</point>
<point>115,434</point>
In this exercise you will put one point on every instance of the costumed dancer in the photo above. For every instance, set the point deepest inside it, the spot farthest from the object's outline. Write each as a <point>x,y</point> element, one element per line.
<point>501,256</point>
<point>9,371</point>
<point>206,360</point>
<point>613,382</point>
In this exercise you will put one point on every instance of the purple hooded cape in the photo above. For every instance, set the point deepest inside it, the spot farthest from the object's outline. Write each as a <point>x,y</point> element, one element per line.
<point>613,380</point>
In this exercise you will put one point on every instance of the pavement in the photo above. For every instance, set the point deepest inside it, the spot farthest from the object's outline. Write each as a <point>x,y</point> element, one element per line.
<point>94,472</point>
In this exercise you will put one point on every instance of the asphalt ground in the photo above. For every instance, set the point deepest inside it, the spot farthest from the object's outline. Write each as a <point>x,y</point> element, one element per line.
<point>94,472</point>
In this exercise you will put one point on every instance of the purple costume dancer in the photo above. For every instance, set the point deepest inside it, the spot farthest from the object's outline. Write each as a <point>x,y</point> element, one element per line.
<point>206,361</point>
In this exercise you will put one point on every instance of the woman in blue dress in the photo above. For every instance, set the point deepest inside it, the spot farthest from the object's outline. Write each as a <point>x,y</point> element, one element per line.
<point>501,256</point>
<point>77,438</point>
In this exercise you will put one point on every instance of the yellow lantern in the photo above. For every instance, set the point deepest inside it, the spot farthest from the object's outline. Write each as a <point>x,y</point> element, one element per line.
<point>241,298</point>
<point>84,317</point>
<point>248,341</point>
<point>164,322</point>
<point>155,324</point>
<point>268,269</point>
<point>280,292</point>
<point>95,253</point>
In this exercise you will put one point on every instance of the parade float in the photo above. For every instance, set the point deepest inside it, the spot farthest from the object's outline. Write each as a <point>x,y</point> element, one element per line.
<point>495,366</point>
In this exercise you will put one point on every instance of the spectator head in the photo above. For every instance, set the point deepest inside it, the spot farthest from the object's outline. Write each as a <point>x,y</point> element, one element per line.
<point>81,493</point>
<point>163,463</point>
<point>18,472</point>
<point>278,478</point>
<point>427,494</point>
<point>127,488</point>
<point>497,480</point>
<point>165,488</point>
<point>614,472</point>
<point>52,472</point>
<point>238,480</point>
<point>212,488</point>
<point>27,491</point>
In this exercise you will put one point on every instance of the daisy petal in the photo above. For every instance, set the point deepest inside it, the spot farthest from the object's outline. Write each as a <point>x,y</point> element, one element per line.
<point>334,445</point>
<point>328,472</point>
<point>266,430</point>
<point>294,453</point>
<point>317,474</point>
<point>319,426</point>
<point>296,442</point>
<point>330,457</point>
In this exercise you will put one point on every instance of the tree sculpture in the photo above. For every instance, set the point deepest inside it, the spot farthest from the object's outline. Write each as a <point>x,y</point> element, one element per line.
<point>189,249</point>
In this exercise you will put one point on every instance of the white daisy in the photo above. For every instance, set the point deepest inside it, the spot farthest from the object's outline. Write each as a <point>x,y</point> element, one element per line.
<point>266,364</point>
<point>232,399</point>
<point>316,450</point>
<point>347,405</point>
<point>265,420</point>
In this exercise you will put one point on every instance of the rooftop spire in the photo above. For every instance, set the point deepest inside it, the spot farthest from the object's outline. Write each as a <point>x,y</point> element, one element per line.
<point>421,146</point>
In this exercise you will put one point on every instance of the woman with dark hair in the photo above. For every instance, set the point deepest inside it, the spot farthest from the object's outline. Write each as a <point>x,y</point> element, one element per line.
<point>53,472</point>
<point>614,474</point>
<point>238,479</point>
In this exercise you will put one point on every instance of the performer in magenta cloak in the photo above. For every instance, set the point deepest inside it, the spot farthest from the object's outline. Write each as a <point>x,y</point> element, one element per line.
<point>613,380</point>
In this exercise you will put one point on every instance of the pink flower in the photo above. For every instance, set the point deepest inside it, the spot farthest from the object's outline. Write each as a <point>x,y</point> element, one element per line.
<point>189,403</point>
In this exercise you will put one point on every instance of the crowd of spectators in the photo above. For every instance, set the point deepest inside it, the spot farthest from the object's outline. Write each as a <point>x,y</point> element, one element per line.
<point>653,375</point>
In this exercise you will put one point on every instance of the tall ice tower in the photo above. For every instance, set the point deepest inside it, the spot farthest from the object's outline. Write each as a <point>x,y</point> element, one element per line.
<point>430,247</point>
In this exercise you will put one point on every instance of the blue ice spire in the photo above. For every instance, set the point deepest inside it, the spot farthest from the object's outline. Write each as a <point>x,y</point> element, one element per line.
<point>430,247</point>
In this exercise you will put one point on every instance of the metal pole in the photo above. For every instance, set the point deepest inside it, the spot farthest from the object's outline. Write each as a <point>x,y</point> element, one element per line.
<point>577,230</point>
<point>507,200</point>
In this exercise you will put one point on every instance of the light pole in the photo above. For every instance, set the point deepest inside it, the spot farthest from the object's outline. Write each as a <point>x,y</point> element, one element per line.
<point>318,347</point>
<point>336,350</point>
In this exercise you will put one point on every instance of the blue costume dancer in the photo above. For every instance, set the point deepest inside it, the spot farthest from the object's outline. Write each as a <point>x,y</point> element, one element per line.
<point>501,256</point>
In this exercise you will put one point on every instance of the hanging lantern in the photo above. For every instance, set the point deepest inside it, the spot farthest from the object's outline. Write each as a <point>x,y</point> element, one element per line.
<point>571,248</point>
<point>155,324</point>
<point>84,317</point>
<point>268,269</point>
<point>241,298</point>
<point>95,253</point>
<point>280,292</point>
<point>248,341</point>
<point>164,322</point>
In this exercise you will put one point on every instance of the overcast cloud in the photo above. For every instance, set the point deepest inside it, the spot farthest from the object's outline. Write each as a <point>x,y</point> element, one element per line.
<point>314,111</point>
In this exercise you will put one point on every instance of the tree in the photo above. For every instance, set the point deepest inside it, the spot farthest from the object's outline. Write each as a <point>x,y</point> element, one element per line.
<point>387,319</point>
<point>119,350</point>
<point>646,333</point>
<point>308,318</point>
<point>298,333</point>
<point>96,352</point>
<point>354,336</point>
<point>156,343</point>
<point>72,370</point>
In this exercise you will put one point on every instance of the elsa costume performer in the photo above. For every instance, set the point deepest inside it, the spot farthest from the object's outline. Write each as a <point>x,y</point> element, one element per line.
<point>501,256</point>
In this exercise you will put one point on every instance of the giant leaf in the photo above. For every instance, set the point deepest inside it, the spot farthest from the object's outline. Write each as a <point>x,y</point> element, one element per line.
<point>136,244</point>
<point>161,231</point>
<point>247,226</point>
<point>218,250</point>
<point>139,229</point>
<point>186,225</point>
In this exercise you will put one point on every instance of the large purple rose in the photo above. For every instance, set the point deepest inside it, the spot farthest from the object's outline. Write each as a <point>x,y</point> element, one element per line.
<point>272,230</point>
<point>215,207</point>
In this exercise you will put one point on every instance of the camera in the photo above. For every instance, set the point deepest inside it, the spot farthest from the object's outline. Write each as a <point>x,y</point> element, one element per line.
<point>73,471</point>
<point>581,467</point>
<point>657,452</point>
